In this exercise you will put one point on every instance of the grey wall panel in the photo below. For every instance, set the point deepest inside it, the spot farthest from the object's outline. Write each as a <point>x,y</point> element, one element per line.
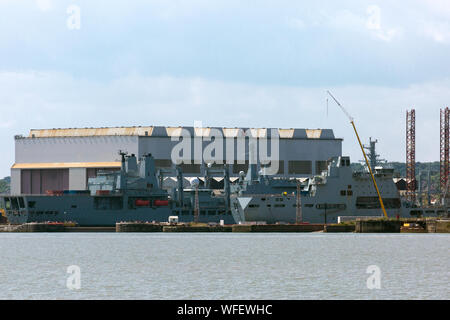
<point>36,181</point>
<point>49,180</point>
<point>65,179</point>
<point>77,178</point>
<point>25,185</point>
<point>105,149</point>
<point>15,181</point>
<point>74,149</point>
<point>289,149</point>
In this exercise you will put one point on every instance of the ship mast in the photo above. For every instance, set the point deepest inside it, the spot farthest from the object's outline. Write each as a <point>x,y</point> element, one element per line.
<point>364,153</point>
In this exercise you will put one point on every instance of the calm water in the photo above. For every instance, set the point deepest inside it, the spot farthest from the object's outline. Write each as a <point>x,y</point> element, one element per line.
<point>224,266</point>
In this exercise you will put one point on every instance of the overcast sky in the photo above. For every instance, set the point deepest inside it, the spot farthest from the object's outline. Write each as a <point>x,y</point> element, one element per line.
<point>226,63</point>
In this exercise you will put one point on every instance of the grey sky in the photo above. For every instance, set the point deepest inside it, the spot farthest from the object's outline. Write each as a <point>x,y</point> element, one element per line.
<point>227,64</point>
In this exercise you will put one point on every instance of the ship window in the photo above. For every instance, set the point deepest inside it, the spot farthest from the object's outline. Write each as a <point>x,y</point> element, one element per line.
<point>253,206</point>
<point>328,206</point>
<point>31,204</point>
<point>185,212</point>
<point>279,206</point>
<point>263,199</point>
<point>345,162</point>
<point>211,212</point>
<point>374,203</point>
<point>74,206</point>
<point>269,205</point>
<point>367,203</point>
<point>309,205</point>
<point>349,186</point>
<point>349,192</point>
<point>7,203</point>
<point>343,192</point>
<point>202,212</point>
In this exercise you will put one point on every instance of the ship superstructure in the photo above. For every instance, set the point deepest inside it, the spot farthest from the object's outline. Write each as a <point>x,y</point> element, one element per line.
<point>131,194</point>
<point>338,191</point>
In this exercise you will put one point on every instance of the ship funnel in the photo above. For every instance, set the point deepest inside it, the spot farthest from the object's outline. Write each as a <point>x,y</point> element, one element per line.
<point>147,171</point>
<point>131,164</point>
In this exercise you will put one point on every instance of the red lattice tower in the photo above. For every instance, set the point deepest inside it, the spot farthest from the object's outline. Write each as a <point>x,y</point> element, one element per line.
<point>444,151</point>
<point>411,155</point>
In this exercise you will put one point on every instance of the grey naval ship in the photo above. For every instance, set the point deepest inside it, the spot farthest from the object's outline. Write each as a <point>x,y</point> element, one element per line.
<point>132,194</point>
<point>338,191</point>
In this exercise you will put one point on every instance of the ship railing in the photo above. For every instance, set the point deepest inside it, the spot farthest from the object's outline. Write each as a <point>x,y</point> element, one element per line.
<point>267,195</point>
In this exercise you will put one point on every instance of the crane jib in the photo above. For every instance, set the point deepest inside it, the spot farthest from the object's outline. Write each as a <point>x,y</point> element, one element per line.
<point>364,153</point>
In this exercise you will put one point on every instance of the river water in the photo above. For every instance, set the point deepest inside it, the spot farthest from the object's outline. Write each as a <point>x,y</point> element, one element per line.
<point>225,266</point>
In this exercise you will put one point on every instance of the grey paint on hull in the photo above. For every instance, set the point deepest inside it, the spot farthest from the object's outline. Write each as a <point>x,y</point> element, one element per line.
<point>59,209</point>
<point>339,189</point>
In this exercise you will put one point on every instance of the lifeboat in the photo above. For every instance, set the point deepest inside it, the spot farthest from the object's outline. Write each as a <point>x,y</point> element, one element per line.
<point>161,203</point>
<point>142,203</point>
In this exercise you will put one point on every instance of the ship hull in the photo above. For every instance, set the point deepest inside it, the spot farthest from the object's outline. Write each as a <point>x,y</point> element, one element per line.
<point>83,211</point>
<point>253,209</point>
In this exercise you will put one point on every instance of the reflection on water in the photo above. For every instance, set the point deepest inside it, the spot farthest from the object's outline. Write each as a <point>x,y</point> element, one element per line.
<point>224,266</point>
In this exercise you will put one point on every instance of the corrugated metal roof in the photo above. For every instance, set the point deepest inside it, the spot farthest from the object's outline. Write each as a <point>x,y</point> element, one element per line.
<point>177,131</point>
<point>314,134</point>
<point>89,132</point>
<point>286,133</point>
<point>65,165</point>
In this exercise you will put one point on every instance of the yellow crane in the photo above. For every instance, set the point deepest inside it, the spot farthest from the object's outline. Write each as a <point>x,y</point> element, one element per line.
<point>364,153</point>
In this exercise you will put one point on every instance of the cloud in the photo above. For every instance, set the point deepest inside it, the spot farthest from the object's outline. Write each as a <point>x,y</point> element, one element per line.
<point>54,100</point>
<point>296,23</point>
<point>44,5</point>
<point>7,124</point>
<point>349,20</point>
<point>439,7</point>
<point>438,31</point>
<point>373,23</point>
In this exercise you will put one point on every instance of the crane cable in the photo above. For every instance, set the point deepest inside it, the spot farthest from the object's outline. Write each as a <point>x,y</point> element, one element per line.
<point>364,153</point>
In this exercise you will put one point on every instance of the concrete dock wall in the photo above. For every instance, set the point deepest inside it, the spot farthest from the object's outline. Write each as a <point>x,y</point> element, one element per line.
<point>378,226</point>
<point>438,226</point>
<point>138,227</point>
<point>278,228</point>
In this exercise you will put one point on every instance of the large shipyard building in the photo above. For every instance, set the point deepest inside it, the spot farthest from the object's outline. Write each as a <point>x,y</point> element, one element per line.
<point>62,159</point>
